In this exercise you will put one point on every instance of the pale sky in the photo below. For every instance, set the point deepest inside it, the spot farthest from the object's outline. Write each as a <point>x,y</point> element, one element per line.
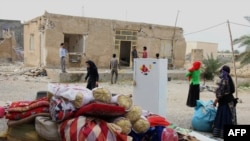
<point>194,15</point>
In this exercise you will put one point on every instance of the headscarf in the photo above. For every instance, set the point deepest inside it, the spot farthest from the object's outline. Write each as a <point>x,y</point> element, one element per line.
<point>225,74</point>
<point>92,65</point>
<point>196,66</point>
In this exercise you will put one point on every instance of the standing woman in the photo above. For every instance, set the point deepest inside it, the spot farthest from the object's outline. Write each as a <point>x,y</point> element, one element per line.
<point>193,75</point>
<point>92,75</point>
<point>226,111</point>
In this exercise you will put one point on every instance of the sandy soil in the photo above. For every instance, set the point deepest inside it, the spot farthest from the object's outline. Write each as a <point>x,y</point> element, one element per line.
<point>19,87</point>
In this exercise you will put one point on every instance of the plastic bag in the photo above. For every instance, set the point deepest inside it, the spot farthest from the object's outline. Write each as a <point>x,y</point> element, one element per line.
<point>204,116</point>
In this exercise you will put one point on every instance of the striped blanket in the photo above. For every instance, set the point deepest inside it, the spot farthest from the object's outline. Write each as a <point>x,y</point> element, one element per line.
<point>90,129</point>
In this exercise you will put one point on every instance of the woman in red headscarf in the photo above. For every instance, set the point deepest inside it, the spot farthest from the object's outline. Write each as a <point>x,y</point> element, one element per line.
<point>194,89</point>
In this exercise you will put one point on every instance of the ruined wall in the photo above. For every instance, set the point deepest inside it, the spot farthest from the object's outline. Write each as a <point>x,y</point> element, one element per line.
<point>13,26</point>
<point>7,53</point>
<point>103,38</point>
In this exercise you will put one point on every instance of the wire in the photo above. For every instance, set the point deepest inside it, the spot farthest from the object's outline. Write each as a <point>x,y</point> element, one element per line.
<point>205,29</point>
<point>239,24</point>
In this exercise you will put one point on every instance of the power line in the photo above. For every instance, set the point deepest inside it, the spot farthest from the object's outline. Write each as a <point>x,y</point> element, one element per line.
<point>214,27</point>
<point>240,24</point>
<point>205,29</point>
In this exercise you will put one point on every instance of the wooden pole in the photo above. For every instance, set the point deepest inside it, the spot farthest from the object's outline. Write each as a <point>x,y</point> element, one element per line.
<point>173,39</point>
<point>231,41</point>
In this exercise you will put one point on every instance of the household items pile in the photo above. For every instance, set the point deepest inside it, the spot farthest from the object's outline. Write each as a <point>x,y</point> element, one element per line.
<point>75,113</point>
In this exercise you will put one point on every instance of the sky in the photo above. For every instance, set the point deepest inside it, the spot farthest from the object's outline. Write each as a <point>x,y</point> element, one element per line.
<point>201,20</point>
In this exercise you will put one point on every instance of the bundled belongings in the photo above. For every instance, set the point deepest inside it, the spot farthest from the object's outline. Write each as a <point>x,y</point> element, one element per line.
<point>90,129</point>
<point>46,128</point>
<point>204,116</point>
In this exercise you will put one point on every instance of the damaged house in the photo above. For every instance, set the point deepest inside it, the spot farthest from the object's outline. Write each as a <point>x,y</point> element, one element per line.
<point>98,39</point>
<point>11,40</point>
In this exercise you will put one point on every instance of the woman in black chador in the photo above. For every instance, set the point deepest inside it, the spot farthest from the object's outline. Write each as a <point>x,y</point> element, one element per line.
<point>92,75</point>
<point>226,112</point>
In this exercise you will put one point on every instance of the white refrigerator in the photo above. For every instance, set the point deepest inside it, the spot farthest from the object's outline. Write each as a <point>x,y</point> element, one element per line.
<point>150,88</point>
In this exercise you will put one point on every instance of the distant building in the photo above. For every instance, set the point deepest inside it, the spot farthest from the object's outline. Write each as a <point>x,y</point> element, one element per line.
<point>208,48</point>
<point>227,56</point>
<point>98,39</point>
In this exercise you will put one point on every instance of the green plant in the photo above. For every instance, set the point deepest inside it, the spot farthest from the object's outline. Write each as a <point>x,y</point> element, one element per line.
<point>211,66</point>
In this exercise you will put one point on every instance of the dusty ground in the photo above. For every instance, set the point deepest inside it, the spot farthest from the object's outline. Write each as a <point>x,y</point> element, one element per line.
<point>19,87</point>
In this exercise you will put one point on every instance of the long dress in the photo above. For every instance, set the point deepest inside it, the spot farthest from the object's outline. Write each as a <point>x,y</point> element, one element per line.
<point>194,88</point>
<point>226,111</point>
<point>92,75</point>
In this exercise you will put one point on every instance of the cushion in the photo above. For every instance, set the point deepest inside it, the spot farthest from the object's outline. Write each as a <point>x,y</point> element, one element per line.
<point>101,110</point>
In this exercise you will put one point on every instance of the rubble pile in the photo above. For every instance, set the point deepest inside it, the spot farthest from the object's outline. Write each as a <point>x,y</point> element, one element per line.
<point>36,72</point>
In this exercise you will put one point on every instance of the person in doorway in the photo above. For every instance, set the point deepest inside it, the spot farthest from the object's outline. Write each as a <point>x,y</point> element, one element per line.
<point>63,53</point>
<point>226,111</point>
<point>134,55</point>
<point>144,53</point>
<point>114,65</point>
<point>92,75</point>
<point>193,75</point>
<point>157,55</point>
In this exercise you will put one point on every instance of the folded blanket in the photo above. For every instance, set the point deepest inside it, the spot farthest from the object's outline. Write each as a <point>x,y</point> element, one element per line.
<point>90,129</point>
<point>18,104</point>
<point>21,115</point>
<point>31,105</point>
<point>29,119</point>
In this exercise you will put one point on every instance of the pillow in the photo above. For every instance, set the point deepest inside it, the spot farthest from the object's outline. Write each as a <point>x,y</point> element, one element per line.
<point>101,109</point>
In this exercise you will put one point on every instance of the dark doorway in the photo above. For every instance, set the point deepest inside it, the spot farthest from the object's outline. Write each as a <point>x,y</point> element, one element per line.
<point>125,49</point>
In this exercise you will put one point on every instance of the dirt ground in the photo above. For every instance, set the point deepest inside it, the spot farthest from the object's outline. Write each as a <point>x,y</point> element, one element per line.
<point>19,87</point>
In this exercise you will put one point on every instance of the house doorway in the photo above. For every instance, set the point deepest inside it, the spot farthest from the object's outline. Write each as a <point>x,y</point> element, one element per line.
<point>74,43</point>
<point>125,49</point>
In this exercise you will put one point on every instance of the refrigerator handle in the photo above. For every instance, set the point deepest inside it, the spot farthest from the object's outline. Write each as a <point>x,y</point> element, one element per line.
<point>134,82</point>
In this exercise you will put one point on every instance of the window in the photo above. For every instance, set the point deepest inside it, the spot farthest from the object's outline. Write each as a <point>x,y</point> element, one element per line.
<point>32,44</point>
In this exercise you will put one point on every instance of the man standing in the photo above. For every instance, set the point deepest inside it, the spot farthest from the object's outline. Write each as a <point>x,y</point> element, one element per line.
<point>63,53</point>
<point>134,55</point>
<point>114,68</point>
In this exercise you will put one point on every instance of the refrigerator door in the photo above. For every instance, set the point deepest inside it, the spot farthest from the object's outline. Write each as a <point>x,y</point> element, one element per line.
<point>150,76</point>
